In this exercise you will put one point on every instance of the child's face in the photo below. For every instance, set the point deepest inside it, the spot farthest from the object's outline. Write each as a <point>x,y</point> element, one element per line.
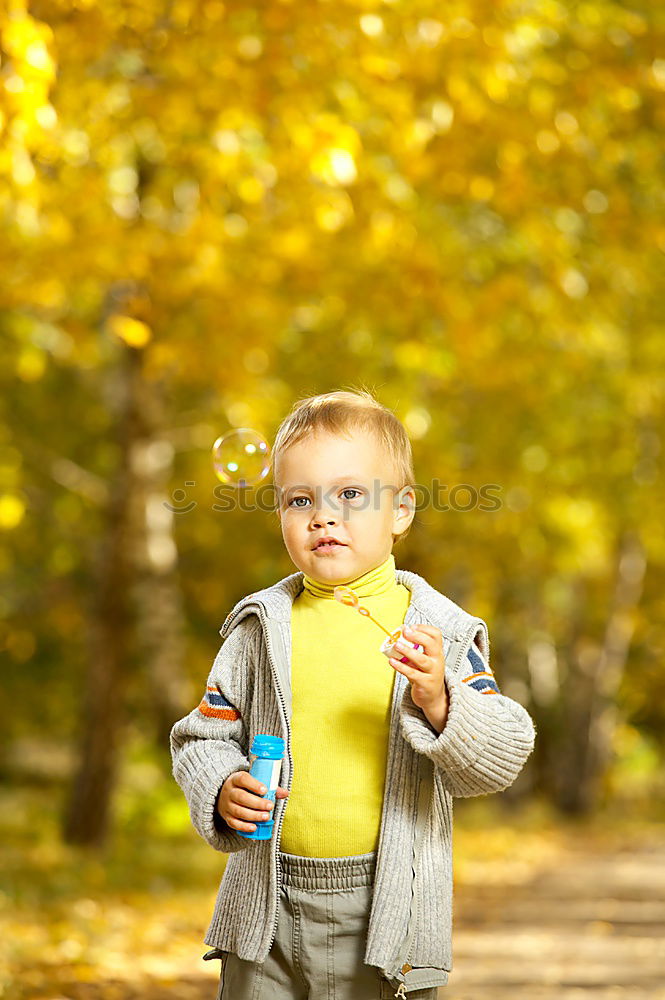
<point>344,488</point>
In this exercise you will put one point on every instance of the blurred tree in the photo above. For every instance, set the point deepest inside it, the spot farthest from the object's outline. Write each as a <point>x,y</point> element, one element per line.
<point>110,622</point>
<point>461,208</point>
<point>589,701</point>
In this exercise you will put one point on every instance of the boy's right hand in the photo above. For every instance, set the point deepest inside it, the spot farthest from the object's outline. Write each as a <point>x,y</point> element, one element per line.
<point>240,799</point>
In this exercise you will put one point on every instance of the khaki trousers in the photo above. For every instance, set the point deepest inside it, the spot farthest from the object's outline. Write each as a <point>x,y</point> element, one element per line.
<point>319,945</point>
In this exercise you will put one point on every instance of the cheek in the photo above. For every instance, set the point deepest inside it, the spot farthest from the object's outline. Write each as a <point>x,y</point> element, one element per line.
<point>292,526</point>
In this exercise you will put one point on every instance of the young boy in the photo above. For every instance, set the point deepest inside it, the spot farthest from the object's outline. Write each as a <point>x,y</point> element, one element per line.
<point>351,899</point>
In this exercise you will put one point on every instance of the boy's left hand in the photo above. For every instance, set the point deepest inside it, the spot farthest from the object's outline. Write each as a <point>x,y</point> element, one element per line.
<point>426,672</point>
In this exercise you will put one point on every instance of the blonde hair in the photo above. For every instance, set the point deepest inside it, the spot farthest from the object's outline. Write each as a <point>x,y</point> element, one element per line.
<point>349,409</point>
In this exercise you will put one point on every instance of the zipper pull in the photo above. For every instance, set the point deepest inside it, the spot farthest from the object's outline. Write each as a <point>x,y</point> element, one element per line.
<point>401,991</point>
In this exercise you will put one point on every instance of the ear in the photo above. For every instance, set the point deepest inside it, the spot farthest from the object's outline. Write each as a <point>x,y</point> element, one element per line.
<point>404,509</point>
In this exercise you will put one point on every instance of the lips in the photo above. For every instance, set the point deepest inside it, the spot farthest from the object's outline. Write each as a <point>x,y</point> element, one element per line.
<point>327,544</point>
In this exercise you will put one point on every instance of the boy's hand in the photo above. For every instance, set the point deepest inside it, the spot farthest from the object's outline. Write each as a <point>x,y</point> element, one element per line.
<point>240,800</point>
<point>426,672</point>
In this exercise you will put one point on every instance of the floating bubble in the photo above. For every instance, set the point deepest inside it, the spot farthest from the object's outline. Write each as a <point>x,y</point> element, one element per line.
<point>241,457</point>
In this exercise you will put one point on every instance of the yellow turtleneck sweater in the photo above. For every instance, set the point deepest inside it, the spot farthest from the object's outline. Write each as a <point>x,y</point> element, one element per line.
<point>342,692</point>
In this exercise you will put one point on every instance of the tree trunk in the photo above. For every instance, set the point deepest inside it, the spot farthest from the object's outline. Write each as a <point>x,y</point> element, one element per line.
<point>157,594</point>
<point>87,814</point>
<point>545,689</point>
<point>611,664</point>
<point>590,705</point>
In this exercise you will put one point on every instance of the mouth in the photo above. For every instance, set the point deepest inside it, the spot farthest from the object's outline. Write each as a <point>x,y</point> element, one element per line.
<point>328,545</point>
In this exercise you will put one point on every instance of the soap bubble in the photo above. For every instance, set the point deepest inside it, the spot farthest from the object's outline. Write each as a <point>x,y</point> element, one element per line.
<point>241,457</point>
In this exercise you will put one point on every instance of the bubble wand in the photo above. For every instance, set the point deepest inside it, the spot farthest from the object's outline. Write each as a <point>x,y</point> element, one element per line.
<point>347,596</point>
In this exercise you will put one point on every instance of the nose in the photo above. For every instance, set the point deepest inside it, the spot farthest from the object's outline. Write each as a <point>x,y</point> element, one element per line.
<point>318,521</point>
<point>324,515</point>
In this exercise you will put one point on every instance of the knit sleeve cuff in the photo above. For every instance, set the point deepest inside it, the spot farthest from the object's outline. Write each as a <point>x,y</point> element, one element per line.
<point>209,824</point>
<point>484,743</point>
<point>465,735</point>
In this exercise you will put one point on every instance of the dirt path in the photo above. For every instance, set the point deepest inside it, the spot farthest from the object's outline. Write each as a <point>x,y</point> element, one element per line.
<point>591,925</point>
<point>548,918</point>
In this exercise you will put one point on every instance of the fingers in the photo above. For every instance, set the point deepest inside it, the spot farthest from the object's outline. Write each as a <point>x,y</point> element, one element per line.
<point>431,630</point>
<point>245,809</point>
<point>416,657</point>
<point>229,814</point>
<point>427,635</point>
<point>242,804</point>
<point>404,668</point>
<point>429,638</point>
<point>411,637</point>
<point>426,630</point>
<point>244,779</point>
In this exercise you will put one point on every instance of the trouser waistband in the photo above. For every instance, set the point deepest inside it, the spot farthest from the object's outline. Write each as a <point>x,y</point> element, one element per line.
<point>328,873</point>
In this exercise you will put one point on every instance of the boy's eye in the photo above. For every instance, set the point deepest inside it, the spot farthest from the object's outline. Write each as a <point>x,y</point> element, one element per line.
<point>294,502</point>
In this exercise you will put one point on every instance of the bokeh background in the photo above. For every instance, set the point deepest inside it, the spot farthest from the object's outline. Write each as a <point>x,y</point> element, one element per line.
<point>212,209</point>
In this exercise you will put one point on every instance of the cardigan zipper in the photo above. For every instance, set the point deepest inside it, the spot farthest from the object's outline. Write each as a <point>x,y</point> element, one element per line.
<point>262,614</point>
<point>422,807</point>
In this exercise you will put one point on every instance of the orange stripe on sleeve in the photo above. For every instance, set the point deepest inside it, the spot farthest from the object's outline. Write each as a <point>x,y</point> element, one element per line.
<point>231,714</point>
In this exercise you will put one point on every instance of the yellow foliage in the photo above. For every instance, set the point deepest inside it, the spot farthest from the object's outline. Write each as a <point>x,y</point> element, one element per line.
<point>132,331</point>
<point>12,511</point>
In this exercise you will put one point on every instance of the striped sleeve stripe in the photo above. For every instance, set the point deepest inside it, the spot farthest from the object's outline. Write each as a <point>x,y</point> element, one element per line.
<point>481,678</point>
<point>215,706</point>
<point>476,660</point>
<point>485,686</point>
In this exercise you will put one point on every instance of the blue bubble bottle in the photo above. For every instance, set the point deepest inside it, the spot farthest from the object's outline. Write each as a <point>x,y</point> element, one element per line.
<point>267,753</point>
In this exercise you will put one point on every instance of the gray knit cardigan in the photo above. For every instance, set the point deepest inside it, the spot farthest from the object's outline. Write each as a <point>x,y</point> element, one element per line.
<point>483,747</point>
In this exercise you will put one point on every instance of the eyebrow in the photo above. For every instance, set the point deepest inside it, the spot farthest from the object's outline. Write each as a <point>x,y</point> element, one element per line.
<point>335,482</point>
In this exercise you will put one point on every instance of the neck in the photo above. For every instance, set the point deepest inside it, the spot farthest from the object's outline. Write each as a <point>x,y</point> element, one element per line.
<point>379,580</point>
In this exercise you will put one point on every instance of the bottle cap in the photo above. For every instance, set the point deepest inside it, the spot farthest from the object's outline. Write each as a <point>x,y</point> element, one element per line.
<point>265,745</point>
